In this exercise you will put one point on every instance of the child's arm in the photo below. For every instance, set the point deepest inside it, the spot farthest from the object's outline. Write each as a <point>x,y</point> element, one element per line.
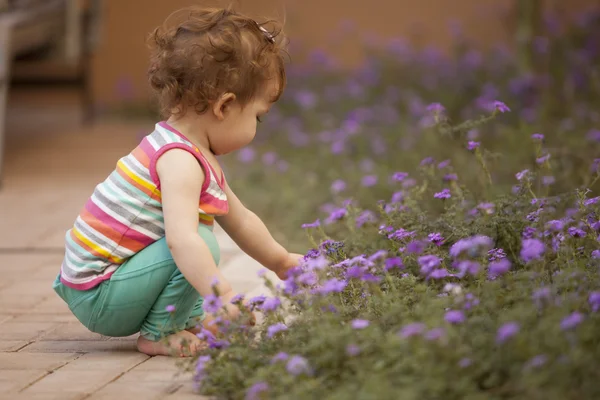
<point>253,237</point>
<point>181,179</point>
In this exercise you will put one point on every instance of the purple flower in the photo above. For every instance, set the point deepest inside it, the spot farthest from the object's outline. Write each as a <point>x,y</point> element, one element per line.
<point>436,238</point>
<point>522,174</point>
<point>429,261</point>
<point>269,158</point>
<point>436,108</point>
<point>200,372</point>
<point>254,393</point>
<point>487,207</point>
<point>450,177</point>
<point>315,224</point>
<point>576,232</point>
<point>468,267</point>
<point>537,361</point>
<point>298,365</point>
<point>543,159</point>
<point>455,317</point>
<point>435,334</point>
<point>394,262</point>
<point>439,273</point>
<point>443,164</point>
<point>359,323</point>
<point>413,329</point>
<point>369,180</point>
<point>377,255</point>
<point>591,201</point>
<point>541,295</point>
<point>397,197</point>
<point>332,286</point>
<point>500,267</point>
<point>537,136</point>
<point>275,329</point>
<point>400,234</point>
<point>170,308</point>
<point>548,180</point>
<point>281,356</point>
<point>594,300</point>
<point>212,304</point>
<point>337,214</point>
<point>237,298</point>
<point>532,249</point>
<point>317,263</point>
<point>444,194</point>
<point>465,362</point>
<point>306,99</point>
<point>496,254</point>
<point>399,176</point>
<point>416,247</point>
<point>500,106</point>
<point>271,304</point>
<point>352,350</point>
<point>426,161</point>
<point>571,321</point>
<point>556,225</point>
<point>365,217</point>
<point>338,186</point>
<point>246,155</point>
<point>472,145</point>
<point>471,245</point>
<point>257,300</point>
<point>507,331</point>
<point>596,253</point>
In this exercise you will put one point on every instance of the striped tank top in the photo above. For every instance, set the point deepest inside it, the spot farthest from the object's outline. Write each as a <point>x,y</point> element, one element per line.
<point>124,214</point>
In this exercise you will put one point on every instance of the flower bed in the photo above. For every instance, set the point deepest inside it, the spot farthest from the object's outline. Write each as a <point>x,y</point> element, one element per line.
<point>448,260</point>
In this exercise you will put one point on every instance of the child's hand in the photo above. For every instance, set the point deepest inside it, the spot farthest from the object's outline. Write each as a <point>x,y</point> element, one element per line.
<point>292,260</point>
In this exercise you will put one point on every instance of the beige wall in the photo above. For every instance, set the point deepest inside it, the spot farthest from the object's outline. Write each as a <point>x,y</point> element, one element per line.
<point>122,53</point>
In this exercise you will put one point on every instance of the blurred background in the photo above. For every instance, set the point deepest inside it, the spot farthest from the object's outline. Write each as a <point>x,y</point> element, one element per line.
<point>74,92</point>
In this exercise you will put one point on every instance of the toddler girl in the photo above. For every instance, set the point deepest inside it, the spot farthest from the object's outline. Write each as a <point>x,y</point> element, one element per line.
<point>142,255</point>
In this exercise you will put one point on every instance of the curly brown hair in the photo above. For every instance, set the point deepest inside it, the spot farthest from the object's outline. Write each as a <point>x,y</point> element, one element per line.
<point>211,51</point>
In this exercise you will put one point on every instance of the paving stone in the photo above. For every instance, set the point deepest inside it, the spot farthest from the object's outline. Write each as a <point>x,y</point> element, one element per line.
<point>5,317</point>
<point>49,396</point>
<point>72,382</point>
<point>19,304</point>
<point>29,288</point>
<point>80,346</point>
<point>58,318</point>
<point>160,363</point>
<point>24,263</point>
<point>126,390</point>
<point>187,392</point>
<point>155,376</point>
<point>13,380</point>
<point>52,304</point>
<point>12,345</point>
<point>106,361</point>
<point>71,331</point>
<point>132,338</point>
<point>25,361</point>
<point>243,267</point>
<point>12,330</point>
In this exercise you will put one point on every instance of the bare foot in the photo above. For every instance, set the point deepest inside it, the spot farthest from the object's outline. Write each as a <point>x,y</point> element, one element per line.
<point>180,344</point>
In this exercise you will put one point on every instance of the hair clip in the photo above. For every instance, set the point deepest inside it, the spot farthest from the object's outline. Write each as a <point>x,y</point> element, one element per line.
<point>269,37</point>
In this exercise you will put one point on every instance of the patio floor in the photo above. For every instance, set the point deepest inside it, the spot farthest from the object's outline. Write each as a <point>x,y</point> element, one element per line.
<point>52,165</point>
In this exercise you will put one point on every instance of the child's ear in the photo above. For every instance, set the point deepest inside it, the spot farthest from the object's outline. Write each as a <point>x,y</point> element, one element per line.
<point>222,106</point>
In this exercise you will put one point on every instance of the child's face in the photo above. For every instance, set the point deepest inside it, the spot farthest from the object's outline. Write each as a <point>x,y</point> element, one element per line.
<point>237,125</point>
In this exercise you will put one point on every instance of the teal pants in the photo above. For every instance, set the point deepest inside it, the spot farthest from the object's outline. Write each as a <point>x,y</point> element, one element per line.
<point>136,296</point>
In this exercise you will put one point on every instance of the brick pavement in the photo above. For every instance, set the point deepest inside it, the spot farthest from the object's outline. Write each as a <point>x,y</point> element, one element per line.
<point>44,352</point>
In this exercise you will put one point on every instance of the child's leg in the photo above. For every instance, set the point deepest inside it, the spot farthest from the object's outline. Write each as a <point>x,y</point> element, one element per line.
<point>138,294</point>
